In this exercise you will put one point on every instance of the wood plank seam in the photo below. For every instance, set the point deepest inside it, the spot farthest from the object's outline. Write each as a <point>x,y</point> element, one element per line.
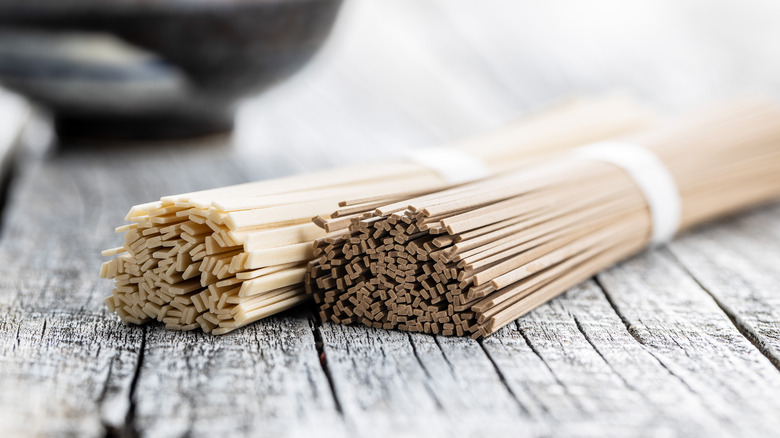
<point>428,388</point>
<point>743,327</point>
<point>632,331</point>
<point>588,339</point>
<point>128,428</point>
<point>502,379</point>
<point>557,379</point>
<point>417,355</point>
<point>443,354</point>
<point>690,382</point>
<point>322,358</point>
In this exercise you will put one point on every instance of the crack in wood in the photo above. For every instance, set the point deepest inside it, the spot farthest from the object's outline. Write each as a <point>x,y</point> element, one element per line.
<point>444,355</point>
<point>417,355</point>
<point>632,331</point>
<point>6,182</point>
<point>609,365</point>
<point>742,327</point>
<point>129,428</point>
<point>18,336</point>
<point>43,330</point>
<point>503,380</point>
<point>322,358</point>
<point>527,340</point>
<point>104,390</point>
<point>431,392</point>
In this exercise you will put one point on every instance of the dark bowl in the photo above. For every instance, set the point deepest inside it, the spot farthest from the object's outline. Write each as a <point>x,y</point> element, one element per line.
<point>153,68</point>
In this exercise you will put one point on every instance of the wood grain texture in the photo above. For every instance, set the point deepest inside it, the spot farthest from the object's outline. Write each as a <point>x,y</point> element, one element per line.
<point>738,264</point>
<point>255,381</point>
<point>666,311</point>
<point>597,362</point>
<point>680,341</point>
<point>391,383</point>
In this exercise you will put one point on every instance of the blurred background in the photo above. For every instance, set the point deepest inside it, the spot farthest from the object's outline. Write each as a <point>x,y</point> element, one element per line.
<point>398,74</point>
<point>411,73</point>
<point>358,80</point>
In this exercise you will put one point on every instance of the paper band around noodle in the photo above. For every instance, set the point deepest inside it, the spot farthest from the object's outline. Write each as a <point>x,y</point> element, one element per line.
<point>651,177</point>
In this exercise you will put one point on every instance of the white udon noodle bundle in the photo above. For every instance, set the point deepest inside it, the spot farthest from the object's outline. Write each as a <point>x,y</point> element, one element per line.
<point>223,258</point>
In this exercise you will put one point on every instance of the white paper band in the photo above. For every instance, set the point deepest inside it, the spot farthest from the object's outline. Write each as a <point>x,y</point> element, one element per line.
<point>651,176</point>
<point>454,165</point>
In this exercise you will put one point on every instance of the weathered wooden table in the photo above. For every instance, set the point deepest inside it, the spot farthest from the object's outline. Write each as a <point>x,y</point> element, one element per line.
<point>682,340</point>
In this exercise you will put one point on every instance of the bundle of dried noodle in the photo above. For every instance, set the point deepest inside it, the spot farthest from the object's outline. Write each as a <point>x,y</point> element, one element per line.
<point>468,260</point>
<point>220,259</point>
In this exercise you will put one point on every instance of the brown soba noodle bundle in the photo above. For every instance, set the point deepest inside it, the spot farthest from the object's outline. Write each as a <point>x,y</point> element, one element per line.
<point>222,258</point>
<point>469,259</point>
